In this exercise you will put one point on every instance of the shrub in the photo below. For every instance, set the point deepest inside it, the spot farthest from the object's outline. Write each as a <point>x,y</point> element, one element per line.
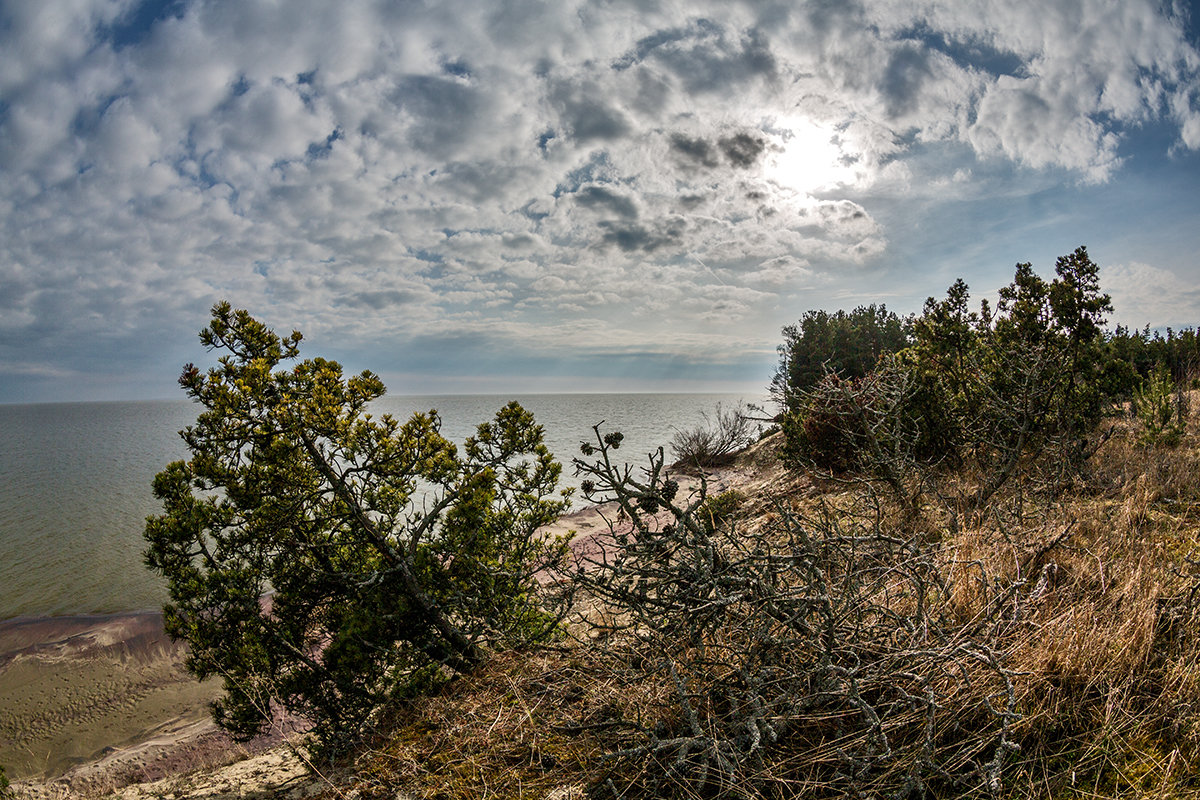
<point>829,430</point>
<point>767,644</point>
<point>326,561</point>
<point>996,388</point>
<point>1158,408</point>
<point>718,509</point>
<point>846,344</point>
<point>716,440</point>
<point>862,426</point>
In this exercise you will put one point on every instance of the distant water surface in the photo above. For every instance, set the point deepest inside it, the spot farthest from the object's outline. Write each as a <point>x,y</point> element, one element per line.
<point>75,481</point>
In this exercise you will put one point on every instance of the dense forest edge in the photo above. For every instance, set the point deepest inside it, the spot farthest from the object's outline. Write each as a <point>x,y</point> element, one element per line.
<point>967,566</point>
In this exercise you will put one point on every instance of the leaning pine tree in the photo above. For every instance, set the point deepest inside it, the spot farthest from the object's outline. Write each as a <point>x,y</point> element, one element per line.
<point>325,561</point>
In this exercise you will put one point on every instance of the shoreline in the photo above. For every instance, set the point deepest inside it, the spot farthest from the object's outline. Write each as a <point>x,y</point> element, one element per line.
<point>80,689</point>
<point>95,702</point>
<point>91,703</point>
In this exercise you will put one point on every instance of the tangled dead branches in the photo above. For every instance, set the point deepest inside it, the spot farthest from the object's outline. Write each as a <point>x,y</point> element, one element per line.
<point>811,648</point>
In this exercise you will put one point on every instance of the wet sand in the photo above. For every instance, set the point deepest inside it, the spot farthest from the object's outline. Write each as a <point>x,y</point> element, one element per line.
<point>74,690</point>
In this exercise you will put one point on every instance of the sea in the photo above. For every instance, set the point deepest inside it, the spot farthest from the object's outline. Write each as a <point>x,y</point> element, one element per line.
<point>75,480</point>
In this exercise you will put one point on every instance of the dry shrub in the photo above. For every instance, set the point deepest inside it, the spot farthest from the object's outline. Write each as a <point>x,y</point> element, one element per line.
<point>714,442</point>
<point>1040,641</point>
<point>811,650</point>
<point>837,645</point>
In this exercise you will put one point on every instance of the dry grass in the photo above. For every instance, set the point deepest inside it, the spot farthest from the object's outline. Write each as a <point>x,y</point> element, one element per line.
<point>1087,599</point>
<point>524,726</point>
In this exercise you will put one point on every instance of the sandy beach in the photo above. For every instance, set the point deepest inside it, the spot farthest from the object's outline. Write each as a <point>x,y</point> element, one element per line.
<point>74,690</point>
<point>95,702</point>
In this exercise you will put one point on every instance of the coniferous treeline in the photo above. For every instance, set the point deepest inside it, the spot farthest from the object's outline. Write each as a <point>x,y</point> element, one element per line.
<point>851,343</point>
<point>1024,382</point>
<point>1131,356</point>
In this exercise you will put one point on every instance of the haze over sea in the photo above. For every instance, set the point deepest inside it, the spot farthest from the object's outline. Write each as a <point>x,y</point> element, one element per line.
<point>75,481</point>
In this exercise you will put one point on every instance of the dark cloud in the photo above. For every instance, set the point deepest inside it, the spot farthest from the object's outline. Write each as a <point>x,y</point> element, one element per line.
<point>584,111</point>
<point>664,38</point>
<point>906,72</point>
<point>694,150</point>
<point>597,197</point>
<point>445,112</point>
<point>827,16</point>
<point>841,211</point>
<point>634,238</point>
<point>743,149</point>
<point>653,94</point>
<point>518,241</point>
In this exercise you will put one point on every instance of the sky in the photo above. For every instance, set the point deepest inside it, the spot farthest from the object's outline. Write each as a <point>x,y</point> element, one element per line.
<point>491,196</point>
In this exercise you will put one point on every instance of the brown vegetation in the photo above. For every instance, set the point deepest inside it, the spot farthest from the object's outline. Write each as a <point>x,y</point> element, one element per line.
<point>1045,648</point>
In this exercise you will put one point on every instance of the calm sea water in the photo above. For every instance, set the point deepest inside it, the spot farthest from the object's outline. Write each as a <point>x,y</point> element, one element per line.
<point>75,481</point>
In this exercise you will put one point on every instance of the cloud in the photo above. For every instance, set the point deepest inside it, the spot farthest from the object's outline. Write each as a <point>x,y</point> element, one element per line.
<point>1146,295</point>
<point>602,199</point>
<point>742,149</point>
<point>706,57</point>
<point>633,238</point>
<point>377,170</point>
<point>697,150</point>
<point>583,115</point>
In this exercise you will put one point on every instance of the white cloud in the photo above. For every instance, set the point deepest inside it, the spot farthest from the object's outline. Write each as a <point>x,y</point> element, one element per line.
<point>1146,295</point>
<point>372,168</point>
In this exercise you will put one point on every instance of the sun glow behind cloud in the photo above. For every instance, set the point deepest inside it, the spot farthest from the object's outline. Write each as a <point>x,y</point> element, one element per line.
<point>810,158</point>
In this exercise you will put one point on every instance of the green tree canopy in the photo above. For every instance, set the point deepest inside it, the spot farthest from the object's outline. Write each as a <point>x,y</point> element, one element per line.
<point>846,344</point>
<point>988,386</point>
<point>324,560</point>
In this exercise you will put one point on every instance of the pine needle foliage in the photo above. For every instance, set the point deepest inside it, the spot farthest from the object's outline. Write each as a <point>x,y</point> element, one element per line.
<point>328,562</point>
<point>1156,406</point>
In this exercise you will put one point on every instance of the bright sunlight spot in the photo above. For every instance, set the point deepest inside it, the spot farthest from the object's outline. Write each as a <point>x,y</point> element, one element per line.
<point>811,159</point>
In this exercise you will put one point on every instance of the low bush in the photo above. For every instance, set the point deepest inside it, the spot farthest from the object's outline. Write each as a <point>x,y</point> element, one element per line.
<point>838,643</point>
<point>1159,408</point>
<point>848,345</point>
<point>718,509</point>
<point>830,431</point>
<point>714,442</point>
<point>768,642</point>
